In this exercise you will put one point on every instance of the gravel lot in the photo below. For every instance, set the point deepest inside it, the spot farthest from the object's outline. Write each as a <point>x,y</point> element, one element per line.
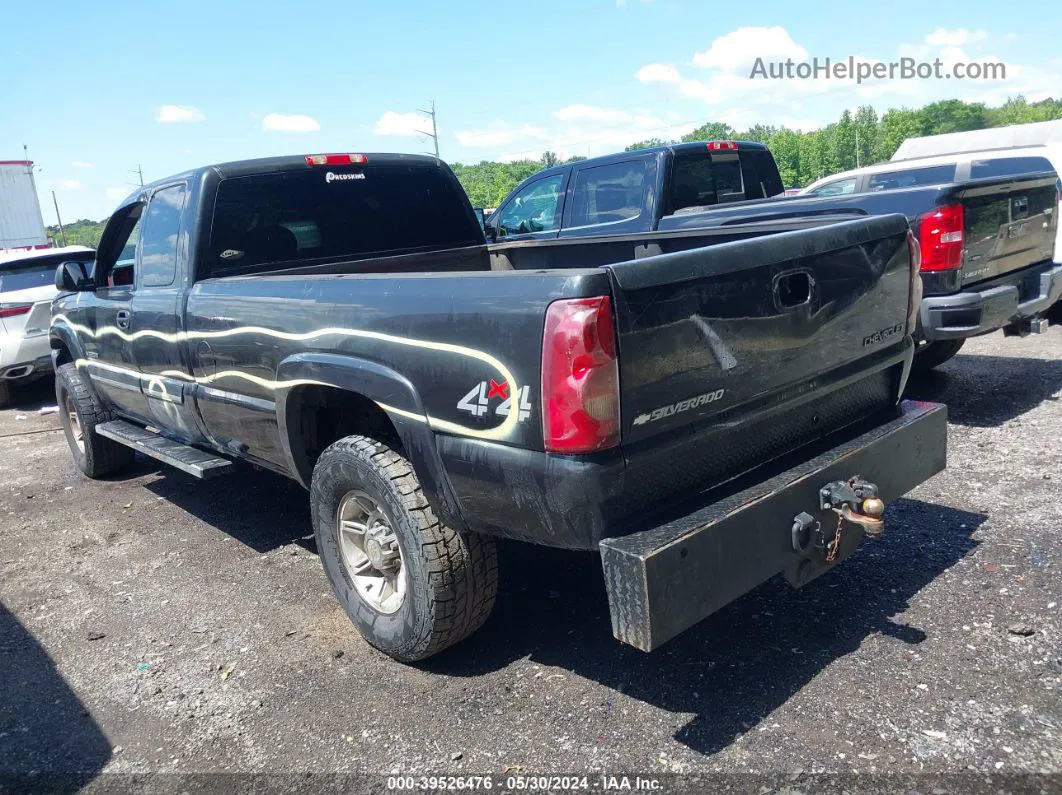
<point>154,623</point>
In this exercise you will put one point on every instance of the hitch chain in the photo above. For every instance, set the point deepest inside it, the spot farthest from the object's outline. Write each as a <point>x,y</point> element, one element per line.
<point>833,546</point>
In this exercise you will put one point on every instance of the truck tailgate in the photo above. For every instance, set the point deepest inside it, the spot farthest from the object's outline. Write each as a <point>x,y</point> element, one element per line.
<point>1009,225</point>
<point>730,329</point>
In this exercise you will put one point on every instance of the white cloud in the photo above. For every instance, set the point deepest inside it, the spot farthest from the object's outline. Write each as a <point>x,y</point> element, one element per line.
<point>730,95</point>
<point>591,113</point>
<point>70,184</point>
<point>81,164</point>
<point>296,123</point>
<point>739,49</point>
<point>173,114</point>
<point>116,193</point>
<point>404,124</point>
<point>960,37</point>
<point>500,133</point>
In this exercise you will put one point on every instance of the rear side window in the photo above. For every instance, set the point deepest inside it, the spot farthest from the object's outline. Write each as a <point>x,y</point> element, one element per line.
<point>609,194</point>
<point>27,277</point>
<point>158,237</point>
<point>912,178</point>
<point>1008,166</point>
<point>841,187</point>
<point>345,213</point>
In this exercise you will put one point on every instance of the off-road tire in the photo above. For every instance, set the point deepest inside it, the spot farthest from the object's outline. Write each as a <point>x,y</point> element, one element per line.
<point>452,577</point>
<point>101,456</point>
<point>933,354</point>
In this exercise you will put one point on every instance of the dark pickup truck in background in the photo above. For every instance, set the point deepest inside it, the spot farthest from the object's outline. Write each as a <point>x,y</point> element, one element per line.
<point>986,243</point>
<point>706,417</point>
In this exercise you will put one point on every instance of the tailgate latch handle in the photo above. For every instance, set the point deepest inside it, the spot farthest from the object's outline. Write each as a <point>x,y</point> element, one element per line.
<point>793,289</point>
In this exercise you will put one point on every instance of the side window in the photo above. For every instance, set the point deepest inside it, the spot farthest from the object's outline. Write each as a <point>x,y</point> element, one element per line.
<point>841,187</point>
<point>1008,166</point>
<point>116,256</point>
<point>912,178</point>
<point>158,239</point>
<point>536,208</point>
<point>609,194</point>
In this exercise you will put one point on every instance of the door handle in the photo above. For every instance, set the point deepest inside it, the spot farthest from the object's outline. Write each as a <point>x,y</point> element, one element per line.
<point>121,319</point>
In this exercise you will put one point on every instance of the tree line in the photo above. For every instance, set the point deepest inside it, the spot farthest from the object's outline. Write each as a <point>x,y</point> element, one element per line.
<point>856,139</point>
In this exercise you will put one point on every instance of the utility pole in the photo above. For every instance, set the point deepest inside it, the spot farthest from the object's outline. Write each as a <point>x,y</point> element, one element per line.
<point>857,146</point>
<point>434,134</point>
<point>139,174</point>
<point>62,232</point>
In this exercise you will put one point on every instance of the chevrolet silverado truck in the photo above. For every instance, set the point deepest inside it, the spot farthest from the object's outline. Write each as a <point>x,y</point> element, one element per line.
<point>986,235</point>
<point>705,418</point>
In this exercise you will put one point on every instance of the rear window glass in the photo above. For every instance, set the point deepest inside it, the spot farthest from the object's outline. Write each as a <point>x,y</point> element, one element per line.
<point>700,179</point>
<point>24,278</point>
<point>912,178</point>
<point>1008,166</point>
<point>609,194</point>
<point>335,214</point>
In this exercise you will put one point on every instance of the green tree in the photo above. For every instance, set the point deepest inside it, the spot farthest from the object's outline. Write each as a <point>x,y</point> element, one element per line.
<point>712,131</point>
<point>896,127</point>
<point>649,143</point>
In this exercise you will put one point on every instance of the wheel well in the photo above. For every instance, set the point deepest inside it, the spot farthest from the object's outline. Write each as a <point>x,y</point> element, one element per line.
<point>64,352</point>
<point>317,416</point>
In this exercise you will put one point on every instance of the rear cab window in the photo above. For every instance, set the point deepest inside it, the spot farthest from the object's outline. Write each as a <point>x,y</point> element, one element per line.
<point>267,221</point>
<point>1008,167</point>
<point>912,178</point>
<point>701,178</point>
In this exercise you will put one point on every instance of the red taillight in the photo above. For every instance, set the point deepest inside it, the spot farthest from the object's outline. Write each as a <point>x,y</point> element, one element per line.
<point>12,310</point>
<point>720,146</point>
<point>335,160</point>
<point>580,377</point>
<point>941,238</point>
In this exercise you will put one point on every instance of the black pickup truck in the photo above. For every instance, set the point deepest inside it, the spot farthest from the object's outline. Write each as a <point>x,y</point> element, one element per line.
<point>706,418</point>
<point>986,244</point>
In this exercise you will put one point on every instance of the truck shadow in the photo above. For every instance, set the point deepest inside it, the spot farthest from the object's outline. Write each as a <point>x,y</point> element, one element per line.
<point>986,391</point>
<point>260,509</point>
<point>742,663</point>
<point>48,740</point>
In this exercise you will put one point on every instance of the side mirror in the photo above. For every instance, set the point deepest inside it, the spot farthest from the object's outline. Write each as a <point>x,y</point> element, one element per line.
<point>489,232</point>
<point>72,277</point>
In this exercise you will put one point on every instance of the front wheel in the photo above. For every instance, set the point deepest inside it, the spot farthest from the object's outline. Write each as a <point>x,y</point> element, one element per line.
<point>933,354</point>
<point>411,585</point>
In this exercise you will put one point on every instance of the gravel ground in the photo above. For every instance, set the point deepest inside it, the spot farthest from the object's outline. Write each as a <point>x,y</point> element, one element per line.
<point>157,624</point>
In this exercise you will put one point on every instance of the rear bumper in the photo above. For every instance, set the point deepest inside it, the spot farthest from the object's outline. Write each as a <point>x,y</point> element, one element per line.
<point>991,306</point>
<point>665,579</point>
<point>23,357</point>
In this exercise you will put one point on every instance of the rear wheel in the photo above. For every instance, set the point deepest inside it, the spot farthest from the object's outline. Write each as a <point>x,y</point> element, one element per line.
<point>933,354</point>
<point>80,413</point>
<point>411,585</point>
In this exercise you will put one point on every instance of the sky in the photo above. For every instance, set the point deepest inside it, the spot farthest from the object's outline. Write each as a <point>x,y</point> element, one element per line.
<point>97,90</point>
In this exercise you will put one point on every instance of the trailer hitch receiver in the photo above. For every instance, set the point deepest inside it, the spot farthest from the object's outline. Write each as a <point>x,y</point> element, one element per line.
<point>855,500</point>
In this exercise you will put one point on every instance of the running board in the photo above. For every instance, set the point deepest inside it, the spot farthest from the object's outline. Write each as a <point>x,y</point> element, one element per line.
<point>197,463</point>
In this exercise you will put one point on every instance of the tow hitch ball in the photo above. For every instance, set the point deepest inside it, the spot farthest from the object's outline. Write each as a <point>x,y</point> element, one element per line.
<point>854,500</point>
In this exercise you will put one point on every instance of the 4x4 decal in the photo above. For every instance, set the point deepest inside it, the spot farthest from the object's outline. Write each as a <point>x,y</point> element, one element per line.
<point>478,400</point>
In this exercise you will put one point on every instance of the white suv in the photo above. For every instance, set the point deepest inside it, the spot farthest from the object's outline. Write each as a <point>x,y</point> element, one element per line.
<point>27,287</point>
